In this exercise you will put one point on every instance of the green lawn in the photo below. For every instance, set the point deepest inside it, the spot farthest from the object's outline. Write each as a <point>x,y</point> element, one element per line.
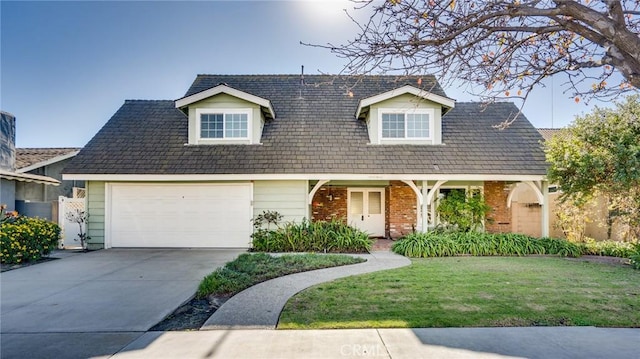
<point>252,268</point>
<point>473,292</point>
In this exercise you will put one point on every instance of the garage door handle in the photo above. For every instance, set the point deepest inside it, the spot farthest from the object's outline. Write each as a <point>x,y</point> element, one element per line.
<point>363,217</point>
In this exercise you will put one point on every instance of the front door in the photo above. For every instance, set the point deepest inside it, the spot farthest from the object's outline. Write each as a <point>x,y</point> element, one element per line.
<point>366,210</point>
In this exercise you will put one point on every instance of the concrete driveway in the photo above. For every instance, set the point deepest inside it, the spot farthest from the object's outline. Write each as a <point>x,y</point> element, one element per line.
<point>115,291</point>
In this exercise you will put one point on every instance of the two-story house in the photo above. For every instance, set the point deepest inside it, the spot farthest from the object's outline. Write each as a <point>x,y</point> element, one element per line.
<point>376,151</point>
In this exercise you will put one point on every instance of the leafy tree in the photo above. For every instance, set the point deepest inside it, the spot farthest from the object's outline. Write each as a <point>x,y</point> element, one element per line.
<point>600,153</point>
<point>504,47</point>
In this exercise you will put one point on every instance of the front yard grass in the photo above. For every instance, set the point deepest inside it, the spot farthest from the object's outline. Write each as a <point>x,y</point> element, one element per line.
<point>473,292</point>
<point>250,269</point>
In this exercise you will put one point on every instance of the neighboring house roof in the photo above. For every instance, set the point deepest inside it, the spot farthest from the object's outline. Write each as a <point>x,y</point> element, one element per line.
<point>28,159</point>
<point>548,133</point>
<point>315,132</point>
<point>28,177</point>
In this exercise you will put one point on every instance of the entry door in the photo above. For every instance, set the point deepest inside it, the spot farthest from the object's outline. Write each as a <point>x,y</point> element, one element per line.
<point>366,210</point>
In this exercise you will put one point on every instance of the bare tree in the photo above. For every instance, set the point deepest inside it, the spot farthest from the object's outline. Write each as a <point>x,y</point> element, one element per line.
<point>503,48</point>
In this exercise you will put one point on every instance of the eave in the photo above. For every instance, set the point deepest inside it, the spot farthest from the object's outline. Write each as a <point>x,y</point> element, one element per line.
<point>301,176</point>
<point>446,103</point>
<point>27,177</point>
<point>262,102</point>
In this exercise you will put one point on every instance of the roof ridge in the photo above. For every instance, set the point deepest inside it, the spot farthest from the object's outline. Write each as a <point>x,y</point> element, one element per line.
<point>147,100</point>
<point>47,148</point>
<point>311,74</point>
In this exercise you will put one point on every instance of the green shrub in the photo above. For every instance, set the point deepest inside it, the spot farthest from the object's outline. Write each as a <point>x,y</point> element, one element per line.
<point>24,239</point>
<point>608,248</point>
<point>561,247</point>
<point>634,259</point>
<point>320,236</point>
<point>224,281</point>
<point>430,244</point>
<point>441,244</point>
<point>461,212</point>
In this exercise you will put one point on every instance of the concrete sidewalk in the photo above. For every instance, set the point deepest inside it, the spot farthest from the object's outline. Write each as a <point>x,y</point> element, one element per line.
<point>259,306</point>
<point>534,342</point>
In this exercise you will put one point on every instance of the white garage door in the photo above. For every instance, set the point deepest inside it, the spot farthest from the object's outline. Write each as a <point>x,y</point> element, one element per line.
<point>180,215</point>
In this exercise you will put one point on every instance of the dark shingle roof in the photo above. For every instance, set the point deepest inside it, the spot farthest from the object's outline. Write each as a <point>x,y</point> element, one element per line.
<point>29,156</point>
<point>313,133</point>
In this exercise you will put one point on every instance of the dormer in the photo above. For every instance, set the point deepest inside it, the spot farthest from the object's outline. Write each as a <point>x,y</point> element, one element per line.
<point>406,115</point>
<point>224,115</point>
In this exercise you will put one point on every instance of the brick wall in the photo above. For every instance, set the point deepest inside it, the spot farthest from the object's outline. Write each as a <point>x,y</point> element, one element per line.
<point>329,203</point>
<point>499,218</point>
<point>401,209</point>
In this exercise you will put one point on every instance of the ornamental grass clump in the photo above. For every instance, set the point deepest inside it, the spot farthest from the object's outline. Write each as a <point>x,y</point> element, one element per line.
<point>444,244</point>
<point>320,236</point>
<point>609,248</point>
<point>25,239</point>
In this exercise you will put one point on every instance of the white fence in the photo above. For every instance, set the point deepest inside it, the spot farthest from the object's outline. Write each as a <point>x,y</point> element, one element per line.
<point>70,230</point>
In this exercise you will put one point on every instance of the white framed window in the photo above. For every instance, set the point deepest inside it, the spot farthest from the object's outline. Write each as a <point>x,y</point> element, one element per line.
<point>223,124</point>
<point>411,124</point>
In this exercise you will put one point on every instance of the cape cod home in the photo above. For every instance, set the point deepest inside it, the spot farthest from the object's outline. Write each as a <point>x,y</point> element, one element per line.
<point>377,151</point>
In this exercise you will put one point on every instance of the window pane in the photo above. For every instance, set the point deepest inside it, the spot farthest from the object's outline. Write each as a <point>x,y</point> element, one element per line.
<point>418,125</point>
<point>392,125</point>
<point>236,125</point>
<point>375,203</point>
<point>211,125</point>
<point>356,205</point>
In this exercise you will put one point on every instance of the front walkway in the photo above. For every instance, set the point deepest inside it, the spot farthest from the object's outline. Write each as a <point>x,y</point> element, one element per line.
<point>259,307</point>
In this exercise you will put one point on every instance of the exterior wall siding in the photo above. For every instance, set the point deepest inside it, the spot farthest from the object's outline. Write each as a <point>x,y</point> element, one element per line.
<point>289,198</point>
<point>96,209</point>
<point>405,101</point>
<point>499,219</point>
<point>226,101</point>
<point>7,193</point>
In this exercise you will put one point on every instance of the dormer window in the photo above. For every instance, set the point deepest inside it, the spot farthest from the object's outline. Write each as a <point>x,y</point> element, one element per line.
<point>218,124</point>
<point>223,115</point>
<point>397,124</point>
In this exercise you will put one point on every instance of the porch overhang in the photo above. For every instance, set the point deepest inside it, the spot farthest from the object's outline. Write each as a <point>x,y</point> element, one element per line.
<point>299,176</point>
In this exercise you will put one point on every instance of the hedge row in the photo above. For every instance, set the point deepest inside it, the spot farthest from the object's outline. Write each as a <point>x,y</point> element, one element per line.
<point>442,244</point>
<point>24,239</point>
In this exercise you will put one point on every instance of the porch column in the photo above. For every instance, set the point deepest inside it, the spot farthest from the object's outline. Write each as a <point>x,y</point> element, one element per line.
<point>545,208</point>
<point>424,207</point>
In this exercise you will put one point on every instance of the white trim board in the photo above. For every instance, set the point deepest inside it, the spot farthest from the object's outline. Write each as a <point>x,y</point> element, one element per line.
<point>300,176</point>
<point>185,101</point>
<point>444,101</point>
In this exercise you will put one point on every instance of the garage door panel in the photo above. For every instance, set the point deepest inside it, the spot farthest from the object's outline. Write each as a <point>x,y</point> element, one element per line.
<point>180,215</point>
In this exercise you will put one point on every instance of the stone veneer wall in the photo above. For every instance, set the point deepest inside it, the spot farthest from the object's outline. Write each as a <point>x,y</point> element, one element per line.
<point>499,219</point>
